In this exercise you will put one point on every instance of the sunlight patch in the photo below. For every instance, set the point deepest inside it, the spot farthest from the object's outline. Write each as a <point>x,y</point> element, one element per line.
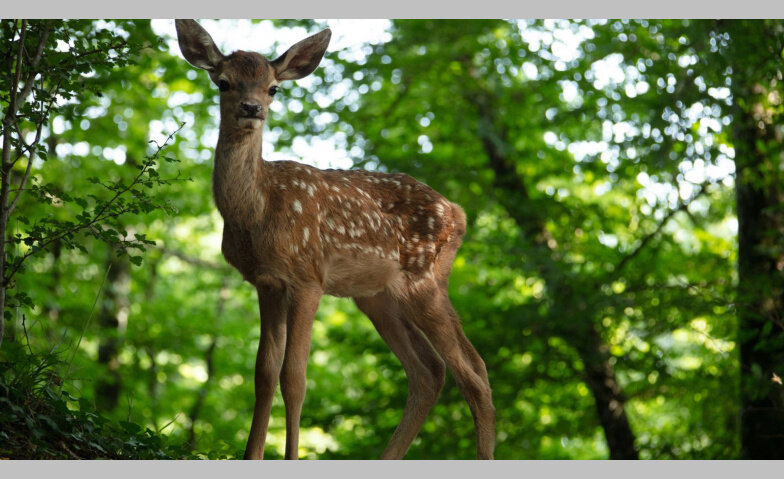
<point>314,439</point>
<point>197,372</point>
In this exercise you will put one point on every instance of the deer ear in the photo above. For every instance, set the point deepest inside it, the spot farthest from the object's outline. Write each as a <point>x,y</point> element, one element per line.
<point>303,57</point>
<point>197,45</point>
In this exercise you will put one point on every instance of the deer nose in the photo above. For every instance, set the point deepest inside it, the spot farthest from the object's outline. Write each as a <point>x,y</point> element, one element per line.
<point>250,108</point>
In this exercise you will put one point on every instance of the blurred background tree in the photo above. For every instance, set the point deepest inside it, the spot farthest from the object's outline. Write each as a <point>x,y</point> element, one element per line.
<point>624,306</point>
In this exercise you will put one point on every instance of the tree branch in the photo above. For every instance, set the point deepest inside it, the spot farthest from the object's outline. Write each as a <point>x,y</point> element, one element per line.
<point>97,217</point>
<point>98,50</point>
<point>193,260</point>
<point>30,155</point>
<point>647,239</point>
<point>33,64</point>
<point>12,109</point>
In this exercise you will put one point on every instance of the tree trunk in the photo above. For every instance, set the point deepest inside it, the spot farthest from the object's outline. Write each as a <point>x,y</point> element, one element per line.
<point>112,321</point>
<point>760,298</point>
<point>223,295</point>
<point>610,402</point>
<point>149,348</point>
<point>757,139</point>
<point>594,353</point>
<point>202,395</point>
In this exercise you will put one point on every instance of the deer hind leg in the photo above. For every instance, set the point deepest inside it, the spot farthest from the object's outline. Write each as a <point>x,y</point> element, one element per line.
<point>302,309</point>
<point>424,369</point>
<point>273,306</point>
<point>437,319</point>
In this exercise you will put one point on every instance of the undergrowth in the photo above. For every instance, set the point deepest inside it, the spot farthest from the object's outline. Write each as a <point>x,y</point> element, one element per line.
<point>40,419</point>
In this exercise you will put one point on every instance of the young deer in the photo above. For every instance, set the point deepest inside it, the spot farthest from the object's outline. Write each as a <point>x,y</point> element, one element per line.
<point>296,232</point>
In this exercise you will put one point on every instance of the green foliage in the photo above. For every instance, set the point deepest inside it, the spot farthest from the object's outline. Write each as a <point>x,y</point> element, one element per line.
<point>72,63</point>
<point>99,217</point>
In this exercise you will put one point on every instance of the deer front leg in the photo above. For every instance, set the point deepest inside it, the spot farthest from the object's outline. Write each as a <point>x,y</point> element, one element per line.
<point>302,309</point>
<point>273,306</point>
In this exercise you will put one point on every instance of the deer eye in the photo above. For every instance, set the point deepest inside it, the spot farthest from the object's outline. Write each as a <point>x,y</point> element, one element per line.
<point>223,85</point>
<point>273,90</point>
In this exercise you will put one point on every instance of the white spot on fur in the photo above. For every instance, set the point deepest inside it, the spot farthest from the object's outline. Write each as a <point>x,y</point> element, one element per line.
<point>296,206</point>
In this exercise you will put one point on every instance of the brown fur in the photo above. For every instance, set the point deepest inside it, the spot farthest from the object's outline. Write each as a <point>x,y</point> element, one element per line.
<point>296,232</point>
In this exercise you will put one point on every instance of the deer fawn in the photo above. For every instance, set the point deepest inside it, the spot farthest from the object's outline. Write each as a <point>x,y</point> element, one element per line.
<point>296,233</point>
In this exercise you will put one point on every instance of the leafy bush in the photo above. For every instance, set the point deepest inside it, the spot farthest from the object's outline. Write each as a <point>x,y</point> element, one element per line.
<point>43,421</point>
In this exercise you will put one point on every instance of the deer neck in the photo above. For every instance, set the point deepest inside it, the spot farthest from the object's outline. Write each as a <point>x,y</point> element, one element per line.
<point>236,177</point>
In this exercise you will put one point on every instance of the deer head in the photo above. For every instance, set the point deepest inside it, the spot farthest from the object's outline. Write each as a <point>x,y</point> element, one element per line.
<point>247,80</point>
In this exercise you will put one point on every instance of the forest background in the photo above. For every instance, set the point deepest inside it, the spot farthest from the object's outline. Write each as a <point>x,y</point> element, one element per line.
<point>621,275</point>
